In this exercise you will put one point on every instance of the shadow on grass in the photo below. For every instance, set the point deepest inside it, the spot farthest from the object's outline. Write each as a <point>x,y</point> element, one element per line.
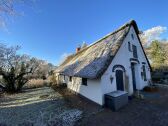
<point>17,108</point>
<point>42,106</point>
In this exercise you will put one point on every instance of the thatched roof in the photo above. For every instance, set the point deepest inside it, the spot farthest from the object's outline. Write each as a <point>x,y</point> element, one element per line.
<point>92,61</point>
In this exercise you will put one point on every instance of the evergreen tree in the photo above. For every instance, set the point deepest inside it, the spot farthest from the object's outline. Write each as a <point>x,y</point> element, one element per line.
<point>157,55</point>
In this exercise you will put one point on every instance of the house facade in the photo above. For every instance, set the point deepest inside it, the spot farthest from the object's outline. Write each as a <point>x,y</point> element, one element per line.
<point>115,62</point>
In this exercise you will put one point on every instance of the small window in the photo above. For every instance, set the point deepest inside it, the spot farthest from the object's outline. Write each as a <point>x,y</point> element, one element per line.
<point>134,49</point>
<point>132,36</point>
<point>144,72</point>
<point>70,78</point>
<point>84,81</point>
<point>129,46</point>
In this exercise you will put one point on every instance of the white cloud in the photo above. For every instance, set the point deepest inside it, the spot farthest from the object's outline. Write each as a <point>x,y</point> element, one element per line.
<point>64,55</point>
<point>153,34</point>
<point>3,25</point>
<point>62,58</point>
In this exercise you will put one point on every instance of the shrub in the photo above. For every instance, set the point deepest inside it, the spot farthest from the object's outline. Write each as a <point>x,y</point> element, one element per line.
<point>159,76</point>
<point>52,79</point>
<point>150,89</point>
<point>36,83</point>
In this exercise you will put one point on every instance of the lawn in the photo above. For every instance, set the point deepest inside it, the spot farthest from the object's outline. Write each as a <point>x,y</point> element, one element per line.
<point>37,107</point>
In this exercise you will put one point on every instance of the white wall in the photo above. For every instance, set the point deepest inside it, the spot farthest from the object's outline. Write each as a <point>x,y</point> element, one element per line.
<point>92,91</point>
<point>141,58</point>
<point>123,58</point>
<point>96,89</point>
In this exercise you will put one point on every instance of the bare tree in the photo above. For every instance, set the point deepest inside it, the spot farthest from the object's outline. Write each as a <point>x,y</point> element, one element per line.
<point>9,8</point>
<point>15,69</point>
<point>44,70</point>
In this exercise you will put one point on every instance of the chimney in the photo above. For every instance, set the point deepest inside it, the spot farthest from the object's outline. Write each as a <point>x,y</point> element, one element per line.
<point>78,49</point>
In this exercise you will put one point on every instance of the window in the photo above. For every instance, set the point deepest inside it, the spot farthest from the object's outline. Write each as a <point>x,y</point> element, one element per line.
<point>129,46</point>
<point>84,81</point>
<point>70,78</point>
<point>132,36</point>
<point>144,72</point>
<point>134,49</point>
<point>64,77</point>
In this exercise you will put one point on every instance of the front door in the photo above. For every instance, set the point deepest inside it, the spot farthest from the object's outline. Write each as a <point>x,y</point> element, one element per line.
<point>133,76</point>
<point>119,80</point>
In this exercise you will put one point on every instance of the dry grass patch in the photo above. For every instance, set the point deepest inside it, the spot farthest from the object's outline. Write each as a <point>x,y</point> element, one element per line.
<point>37,83</point>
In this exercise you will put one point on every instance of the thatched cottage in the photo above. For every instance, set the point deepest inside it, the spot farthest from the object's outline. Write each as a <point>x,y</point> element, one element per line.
<point>114,62</point>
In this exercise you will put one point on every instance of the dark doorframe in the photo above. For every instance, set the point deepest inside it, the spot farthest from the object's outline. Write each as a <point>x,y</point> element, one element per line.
<point>119,80</point>
<point>133,76</point>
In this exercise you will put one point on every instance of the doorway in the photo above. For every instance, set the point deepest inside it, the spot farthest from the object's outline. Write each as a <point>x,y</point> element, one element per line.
<point>133,76</point>
<point>119,80</point>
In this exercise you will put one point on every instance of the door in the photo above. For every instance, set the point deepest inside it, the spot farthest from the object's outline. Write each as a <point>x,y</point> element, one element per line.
<point>133,76</point>
<point>119,80</point>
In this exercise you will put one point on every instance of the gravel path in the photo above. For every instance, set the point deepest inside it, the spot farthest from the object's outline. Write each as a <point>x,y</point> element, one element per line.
<point>151,111</point>
<point>37,107</point>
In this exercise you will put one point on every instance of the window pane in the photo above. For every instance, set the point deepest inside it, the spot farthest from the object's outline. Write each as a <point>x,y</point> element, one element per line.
<point>84,81</point>
<point>70,78</point>
<point>144,73</point>
<point>129,46</point>
<point>134,48</point>
<point>132,36</point>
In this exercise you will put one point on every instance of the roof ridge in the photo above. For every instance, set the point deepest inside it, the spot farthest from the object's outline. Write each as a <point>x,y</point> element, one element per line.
<point>131,22</point>
<point>90,62</point>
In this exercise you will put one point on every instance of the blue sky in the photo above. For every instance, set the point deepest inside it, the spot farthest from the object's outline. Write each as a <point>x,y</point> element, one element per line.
<point>53,28</point>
